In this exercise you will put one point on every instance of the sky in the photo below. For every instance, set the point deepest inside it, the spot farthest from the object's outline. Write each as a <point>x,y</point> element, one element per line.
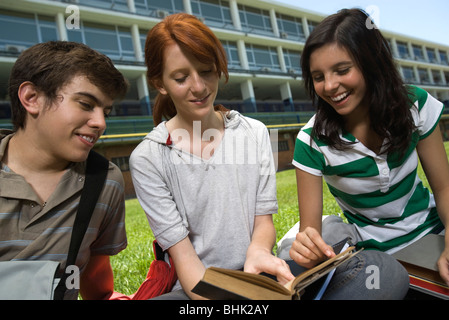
<point>423,19</point>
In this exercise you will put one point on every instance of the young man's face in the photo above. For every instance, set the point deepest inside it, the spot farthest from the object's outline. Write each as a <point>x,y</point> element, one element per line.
<point>75,120</point>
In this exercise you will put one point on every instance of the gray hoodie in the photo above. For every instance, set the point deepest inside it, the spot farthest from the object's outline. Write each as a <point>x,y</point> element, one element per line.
<point>214,201</point>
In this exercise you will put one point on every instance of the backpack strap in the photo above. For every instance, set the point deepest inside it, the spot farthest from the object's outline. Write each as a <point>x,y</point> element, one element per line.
<point>96,172</point>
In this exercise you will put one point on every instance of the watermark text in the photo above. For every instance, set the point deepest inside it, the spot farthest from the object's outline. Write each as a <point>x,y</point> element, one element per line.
<point>73,20</point>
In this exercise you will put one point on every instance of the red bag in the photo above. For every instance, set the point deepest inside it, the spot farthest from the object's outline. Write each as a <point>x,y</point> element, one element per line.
<point>160,279</point>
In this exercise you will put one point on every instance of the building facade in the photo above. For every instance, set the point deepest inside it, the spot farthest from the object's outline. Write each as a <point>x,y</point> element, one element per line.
<point>263,41</point>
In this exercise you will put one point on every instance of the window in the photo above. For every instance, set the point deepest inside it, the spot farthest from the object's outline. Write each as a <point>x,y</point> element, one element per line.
<point>290,27</point>
<point>423,75</point>
<point>417,51</point>
<point>443,57</point>
<point>436,75</point>
<point>262,58</point>
<point>118,5</point>
<point>113,41</point>
<point>431,55</point>
<point>214,12</point>
<point>255,20</point>
<point>158,8</point>
<point>409,75</point>
<point>403,50</point>
<point>29,29</point>
<point>126,43</point>
<point>292,61</point>
<point>232,54</point>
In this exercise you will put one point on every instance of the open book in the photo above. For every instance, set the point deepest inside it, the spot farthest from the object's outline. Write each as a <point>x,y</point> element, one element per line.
<point>420,259</point>
<point>226,284</point>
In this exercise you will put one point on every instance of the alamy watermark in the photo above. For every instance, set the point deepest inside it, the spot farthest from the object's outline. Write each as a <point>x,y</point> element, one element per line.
<point>373,279</point>
<point>73,20</point>
<point>243,149</point>
<point>73,279</point>
<point>373,21</point>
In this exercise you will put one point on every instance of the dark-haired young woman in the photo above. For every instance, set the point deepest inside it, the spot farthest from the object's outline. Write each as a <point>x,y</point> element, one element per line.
<point>368,134</point>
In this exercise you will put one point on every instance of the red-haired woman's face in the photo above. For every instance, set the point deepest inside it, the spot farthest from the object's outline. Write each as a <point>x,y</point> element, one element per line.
<point>192,85</point>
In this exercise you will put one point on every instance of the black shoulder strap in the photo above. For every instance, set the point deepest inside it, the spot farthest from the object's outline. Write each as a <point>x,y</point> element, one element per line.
<point>96,172</point>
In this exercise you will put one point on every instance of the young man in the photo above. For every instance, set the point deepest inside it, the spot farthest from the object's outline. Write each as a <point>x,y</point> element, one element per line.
<point>60,94</point>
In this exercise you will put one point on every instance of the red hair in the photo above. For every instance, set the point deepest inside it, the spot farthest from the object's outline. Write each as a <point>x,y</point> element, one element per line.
<point>192,36</point>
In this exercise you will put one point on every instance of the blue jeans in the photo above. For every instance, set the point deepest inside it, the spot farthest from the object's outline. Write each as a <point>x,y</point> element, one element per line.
<point>369,275</point>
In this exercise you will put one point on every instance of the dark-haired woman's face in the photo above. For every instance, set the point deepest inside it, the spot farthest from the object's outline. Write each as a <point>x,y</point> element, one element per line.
<point>338,80</point>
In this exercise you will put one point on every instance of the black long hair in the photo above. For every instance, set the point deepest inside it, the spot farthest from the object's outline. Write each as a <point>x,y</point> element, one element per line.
<point>389,102</point>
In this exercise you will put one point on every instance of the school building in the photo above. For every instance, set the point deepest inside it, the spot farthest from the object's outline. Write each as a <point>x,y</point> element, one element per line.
<point>263,41</point>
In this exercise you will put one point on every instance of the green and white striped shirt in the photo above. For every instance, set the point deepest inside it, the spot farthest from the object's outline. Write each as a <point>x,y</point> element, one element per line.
<point>380,194</point>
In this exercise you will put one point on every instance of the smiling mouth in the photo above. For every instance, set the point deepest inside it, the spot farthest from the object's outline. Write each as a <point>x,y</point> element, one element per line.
<point>340,97</point>
<point>89,139</point>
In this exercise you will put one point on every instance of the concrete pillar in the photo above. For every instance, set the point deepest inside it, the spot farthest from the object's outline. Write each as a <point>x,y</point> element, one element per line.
<point>416,72</point>
<point>281,59</point>
<point>305,27</point>
<point>286,95</point>
<point>437,53</point>
<point>131,6</point>
<point>233,7</point>
<point>138,50</point>
<point>60,25</point>
<point>187,6</point>
<point>443,77</point>
<point>249,99</point>
<point>144,95</point>
<point>274,22</point>
<point>242,54</point>
<point>424,52</point>
<point>430,76</point>
<point>410,50</point>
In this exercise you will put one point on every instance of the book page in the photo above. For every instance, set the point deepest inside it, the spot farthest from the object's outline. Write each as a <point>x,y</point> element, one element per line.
<point>256,279</point>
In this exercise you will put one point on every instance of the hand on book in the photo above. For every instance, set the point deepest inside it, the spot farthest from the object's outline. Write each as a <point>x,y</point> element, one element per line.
<point>309,248</point>
<point>259,261</point>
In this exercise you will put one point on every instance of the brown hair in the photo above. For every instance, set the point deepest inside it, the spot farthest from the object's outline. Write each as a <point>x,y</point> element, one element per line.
<point>192,36</point>
<point>51,65</point>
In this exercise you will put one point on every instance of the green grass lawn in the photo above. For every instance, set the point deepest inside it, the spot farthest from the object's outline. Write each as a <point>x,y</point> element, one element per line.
<point>131,265</point>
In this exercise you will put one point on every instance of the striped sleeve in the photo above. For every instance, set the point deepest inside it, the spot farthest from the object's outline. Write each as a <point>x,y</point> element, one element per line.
<point>427,111</point>
<point>307,155</point>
